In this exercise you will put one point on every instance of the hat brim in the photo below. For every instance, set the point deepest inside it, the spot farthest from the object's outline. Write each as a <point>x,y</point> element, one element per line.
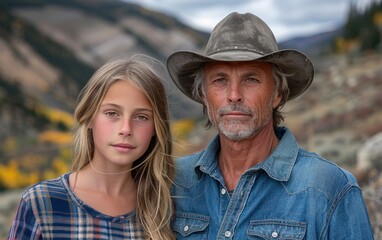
<point>183,65</point>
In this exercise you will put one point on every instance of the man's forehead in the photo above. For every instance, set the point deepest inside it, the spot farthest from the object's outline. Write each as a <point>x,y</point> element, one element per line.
<point>243,65</point>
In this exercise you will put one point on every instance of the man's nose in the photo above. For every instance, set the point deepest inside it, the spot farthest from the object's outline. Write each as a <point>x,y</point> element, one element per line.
<point>234,92</point>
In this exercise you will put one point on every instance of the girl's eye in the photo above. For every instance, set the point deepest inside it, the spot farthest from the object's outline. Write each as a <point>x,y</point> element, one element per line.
<point>111,114</point>
<point>142,118</point>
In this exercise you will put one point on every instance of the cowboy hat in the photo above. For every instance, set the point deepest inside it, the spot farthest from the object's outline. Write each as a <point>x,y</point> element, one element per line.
<point>242,37</point>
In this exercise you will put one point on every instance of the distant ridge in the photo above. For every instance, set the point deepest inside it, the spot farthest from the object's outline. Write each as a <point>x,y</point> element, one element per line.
<point>312,45</point>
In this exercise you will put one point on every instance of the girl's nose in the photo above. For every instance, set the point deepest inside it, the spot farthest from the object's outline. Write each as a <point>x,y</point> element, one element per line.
<point>126,129</point>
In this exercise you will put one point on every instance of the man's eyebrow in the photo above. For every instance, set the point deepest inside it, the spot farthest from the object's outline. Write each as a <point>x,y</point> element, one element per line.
<point>219,74</point>
<point>252,73</point>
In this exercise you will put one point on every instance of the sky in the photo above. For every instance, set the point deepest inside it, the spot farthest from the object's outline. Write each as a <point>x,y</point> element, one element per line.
<point>286,18</point>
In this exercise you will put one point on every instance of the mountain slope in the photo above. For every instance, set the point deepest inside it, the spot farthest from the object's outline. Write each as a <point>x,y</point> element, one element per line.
<point>50,48</point>
<point>40,66</point>
<point>93,33</point>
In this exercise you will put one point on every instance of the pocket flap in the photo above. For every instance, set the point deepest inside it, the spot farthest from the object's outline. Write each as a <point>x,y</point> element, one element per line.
<point>188,223</point>
<point>277,229</point>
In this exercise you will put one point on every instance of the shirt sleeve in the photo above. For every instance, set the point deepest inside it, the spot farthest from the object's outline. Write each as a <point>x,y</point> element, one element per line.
<point>24,225</point>
<point>350,218</point>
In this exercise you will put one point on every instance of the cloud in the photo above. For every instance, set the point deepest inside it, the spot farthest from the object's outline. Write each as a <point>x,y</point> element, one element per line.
<point>286,18</point>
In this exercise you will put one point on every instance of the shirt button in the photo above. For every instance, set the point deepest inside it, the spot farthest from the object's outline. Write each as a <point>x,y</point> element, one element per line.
<point>275,234</point>
<point>186,228</point>
<point>223,191</point>
<point>227,234</point>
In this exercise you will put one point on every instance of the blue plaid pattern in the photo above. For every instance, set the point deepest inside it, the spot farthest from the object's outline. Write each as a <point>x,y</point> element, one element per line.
<point>50,210</point>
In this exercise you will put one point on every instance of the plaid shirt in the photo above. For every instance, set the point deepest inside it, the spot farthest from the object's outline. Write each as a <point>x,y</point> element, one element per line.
<point>50,210</point>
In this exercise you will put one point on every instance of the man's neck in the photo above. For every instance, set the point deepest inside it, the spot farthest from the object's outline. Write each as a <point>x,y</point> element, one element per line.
<point>236,157</point>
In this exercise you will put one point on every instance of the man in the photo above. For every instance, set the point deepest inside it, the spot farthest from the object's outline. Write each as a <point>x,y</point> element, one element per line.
<point>253,181</point>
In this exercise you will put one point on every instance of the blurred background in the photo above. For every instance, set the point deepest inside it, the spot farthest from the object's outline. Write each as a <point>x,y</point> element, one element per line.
<point>49,50</point>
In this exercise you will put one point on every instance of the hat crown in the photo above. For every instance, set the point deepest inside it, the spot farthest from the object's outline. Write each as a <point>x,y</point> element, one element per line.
<point>241,37</point>
<point>241,32</point>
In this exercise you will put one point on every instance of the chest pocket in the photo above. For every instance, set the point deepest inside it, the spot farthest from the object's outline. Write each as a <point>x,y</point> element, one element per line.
<point>191,226</point>
<point>276,230</point>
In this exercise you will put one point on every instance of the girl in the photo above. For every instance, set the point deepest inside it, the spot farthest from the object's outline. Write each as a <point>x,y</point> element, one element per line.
<point>123,169</point>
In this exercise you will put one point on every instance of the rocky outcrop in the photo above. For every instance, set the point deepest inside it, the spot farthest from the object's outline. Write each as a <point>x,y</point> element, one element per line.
<point>368,171</point>
<point>369,158</point>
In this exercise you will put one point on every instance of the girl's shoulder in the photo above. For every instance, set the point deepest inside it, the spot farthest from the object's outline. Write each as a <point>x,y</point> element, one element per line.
<point>47,189</point>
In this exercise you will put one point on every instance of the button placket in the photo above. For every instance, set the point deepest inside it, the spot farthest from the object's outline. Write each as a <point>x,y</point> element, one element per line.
<point>235,205</point>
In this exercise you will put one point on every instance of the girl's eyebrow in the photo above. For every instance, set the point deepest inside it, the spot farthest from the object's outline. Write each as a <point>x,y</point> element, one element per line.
<point>110,105</point>
<point>120,107</point>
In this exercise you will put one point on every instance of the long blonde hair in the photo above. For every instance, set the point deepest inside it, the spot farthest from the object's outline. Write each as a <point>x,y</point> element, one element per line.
<point>155,170</point>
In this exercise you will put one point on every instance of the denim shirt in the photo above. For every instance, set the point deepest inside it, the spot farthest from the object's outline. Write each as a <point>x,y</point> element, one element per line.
<point>293,194</point>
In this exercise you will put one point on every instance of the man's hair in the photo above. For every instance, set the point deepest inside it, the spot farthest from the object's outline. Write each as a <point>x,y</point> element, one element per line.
<point>281,87</point>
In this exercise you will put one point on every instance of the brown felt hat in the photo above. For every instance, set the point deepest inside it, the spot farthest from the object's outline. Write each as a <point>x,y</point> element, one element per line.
<point>242,37</point>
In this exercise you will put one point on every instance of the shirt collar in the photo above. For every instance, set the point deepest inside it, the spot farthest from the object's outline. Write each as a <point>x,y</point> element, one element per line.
<point>278,165</point>
<point>208,161</point>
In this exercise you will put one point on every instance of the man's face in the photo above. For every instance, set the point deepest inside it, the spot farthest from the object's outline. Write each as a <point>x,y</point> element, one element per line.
<point>240,97</point>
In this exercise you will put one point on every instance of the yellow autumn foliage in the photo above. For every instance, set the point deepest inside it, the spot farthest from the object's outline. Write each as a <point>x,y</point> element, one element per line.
<point>346,45</point>
<point>32,168</point>
<point>11,177</point>
<point>181,128</point>
<point>33,178</point>
<point>66,154</point>
<point>57,115</point>
<point>56,137</point>
<point>377,19</point>
<point>60,166</point>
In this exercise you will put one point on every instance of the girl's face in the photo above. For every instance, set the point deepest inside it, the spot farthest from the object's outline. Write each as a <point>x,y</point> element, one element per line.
<point>122,127</point>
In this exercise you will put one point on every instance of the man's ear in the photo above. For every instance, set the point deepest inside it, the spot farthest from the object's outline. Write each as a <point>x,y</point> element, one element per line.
<point>276,100</point>
<point>204,100</point>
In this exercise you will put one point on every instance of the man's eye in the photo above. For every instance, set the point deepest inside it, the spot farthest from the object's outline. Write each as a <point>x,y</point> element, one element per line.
<point>251,79</point>
<point>219,80</point>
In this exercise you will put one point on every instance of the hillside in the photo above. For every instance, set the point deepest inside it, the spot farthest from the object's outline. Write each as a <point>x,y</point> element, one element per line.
<point>342,109</point>
<point>50,48</point>
<point>86,37</point>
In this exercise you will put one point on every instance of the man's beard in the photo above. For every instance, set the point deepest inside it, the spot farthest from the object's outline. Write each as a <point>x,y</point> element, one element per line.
<point>236,129</point>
